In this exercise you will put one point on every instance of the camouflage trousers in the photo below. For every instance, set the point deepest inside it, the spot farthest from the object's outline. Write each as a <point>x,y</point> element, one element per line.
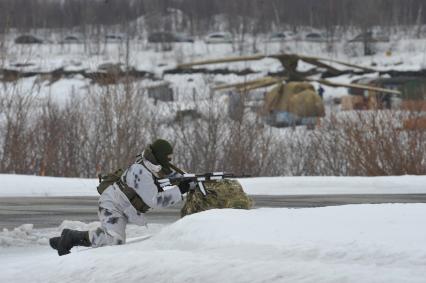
<point>112,230</point>
<point>115,211</point>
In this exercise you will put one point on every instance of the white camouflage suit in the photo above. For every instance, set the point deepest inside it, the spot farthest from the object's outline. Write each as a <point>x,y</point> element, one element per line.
<point>115,210</point>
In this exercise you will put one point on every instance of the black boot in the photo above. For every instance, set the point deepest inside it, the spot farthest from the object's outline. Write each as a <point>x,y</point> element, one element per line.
<point>53,242</point>
<point>69,239</point>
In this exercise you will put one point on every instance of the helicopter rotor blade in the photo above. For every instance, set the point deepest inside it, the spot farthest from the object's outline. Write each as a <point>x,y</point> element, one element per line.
<point>249,84</point>
<point>282,57</point>
<point>259,85</point>
<point>304,58</point>
<point>358,86</point>
<point>223,60</point>
<point>320,64</point>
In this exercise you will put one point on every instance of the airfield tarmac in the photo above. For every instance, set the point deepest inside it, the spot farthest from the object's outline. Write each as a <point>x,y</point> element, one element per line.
<point>45,212</point>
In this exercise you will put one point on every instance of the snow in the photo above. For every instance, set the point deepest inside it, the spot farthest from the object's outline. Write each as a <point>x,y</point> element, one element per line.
<point>21,236</point>
<point>407,54</point>
<point>36,186</point>
<point>26,236</point>
<point>334,185</point>
<point>353,243</point>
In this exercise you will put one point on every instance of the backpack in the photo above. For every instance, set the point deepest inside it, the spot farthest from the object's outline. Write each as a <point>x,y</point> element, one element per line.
<point>109,179</point>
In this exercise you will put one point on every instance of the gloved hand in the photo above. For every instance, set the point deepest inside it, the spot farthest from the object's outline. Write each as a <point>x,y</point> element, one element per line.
<point>186,186</point>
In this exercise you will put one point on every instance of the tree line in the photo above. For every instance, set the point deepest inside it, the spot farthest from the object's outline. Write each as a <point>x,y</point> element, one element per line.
<point>201,15</point>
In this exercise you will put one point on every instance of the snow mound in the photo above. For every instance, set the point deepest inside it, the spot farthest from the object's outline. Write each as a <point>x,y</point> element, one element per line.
<point>21,236</point>
<point>26,236</point>
<point>353,243</point>
<point>390,226</point>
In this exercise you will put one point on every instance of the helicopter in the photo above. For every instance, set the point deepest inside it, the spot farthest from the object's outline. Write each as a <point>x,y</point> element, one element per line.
<point>290,98</point>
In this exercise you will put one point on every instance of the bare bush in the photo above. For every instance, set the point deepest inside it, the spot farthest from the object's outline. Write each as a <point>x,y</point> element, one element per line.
<point>60,139</point>
<point>118,123</point>
<point>201,139</point>
<point>16,133</point>
<point>373,144</point>
<point>106,129</point>
<point>214,141</point>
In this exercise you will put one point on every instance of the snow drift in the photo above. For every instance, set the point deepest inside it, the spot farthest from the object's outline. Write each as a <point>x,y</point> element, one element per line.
<point>354,243</point>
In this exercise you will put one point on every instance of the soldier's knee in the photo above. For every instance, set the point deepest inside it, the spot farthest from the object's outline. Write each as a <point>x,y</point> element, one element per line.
<point>98,237</point>
<point>114,238</point>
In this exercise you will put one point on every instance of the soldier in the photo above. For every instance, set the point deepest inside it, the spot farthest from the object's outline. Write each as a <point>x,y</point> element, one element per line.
<point>321,92</point>
<point>128,199</point>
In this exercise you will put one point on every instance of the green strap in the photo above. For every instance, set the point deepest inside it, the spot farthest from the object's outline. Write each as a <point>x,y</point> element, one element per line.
<point>133,197</point>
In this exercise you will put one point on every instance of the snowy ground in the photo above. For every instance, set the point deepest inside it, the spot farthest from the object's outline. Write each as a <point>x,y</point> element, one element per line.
<point>406,54</point>
<point>355,243</point>
<point>334,185</point>
<point>352,243</point>
<point>36,186</point>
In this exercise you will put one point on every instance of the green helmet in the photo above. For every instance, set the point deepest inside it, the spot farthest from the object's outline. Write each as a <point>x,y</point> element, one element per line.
<point>162,151</point>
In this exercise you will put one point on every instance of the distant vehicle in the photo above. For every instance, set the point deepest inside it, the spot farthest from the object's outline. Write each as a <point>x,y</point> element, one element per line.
<point>71,39</point>
<point>280,36</point>
<point>114,38</point>
<point>218,37</point>
<point>28,39</point>
<point>162,37</point>
<point>371,37</point>
<point>315,37</point>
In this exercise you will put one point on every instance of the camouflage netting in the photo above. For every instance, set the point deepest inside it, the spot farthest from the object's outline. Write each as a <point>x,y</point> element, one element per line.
<point>220,194</point>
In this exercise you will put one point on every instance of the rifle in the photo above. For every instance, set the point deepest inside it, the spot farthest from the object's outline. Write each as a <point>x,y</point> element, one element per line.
<point>198,178</point>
